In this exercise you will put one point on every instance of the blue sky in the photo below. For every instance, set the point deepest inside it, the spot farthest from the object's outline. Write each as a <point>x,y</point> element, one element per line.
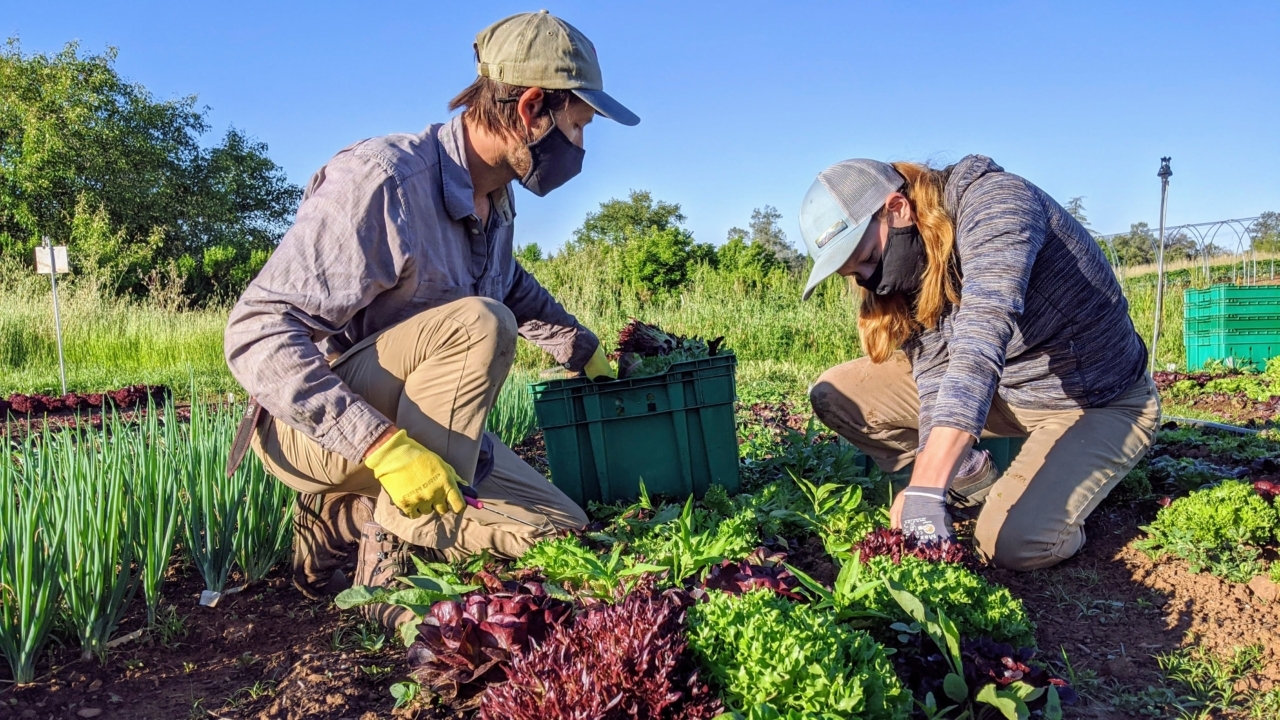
<point>744,102</point>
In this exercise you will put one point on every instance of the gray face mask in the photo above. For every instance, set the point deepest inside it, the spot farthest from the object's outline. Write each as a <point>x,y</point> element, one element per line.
<point>555,161</point>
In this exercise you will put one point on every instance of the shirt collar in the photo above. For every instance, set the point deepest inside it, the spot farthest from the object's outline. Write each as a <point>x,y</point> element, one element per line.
<point>455,177</point>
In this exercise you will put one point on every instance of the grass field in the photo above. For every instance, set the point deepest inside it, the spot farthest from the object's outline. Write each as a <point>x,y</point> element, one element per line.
<point>782,343</point>
<point>108,344</point>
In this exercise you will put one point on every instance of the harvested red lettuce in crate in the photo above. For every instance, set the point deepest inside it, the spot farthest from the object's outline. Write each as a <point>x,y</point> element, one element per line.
<point>645,349</point>
<point>629,660</point>
<point>463,646</point>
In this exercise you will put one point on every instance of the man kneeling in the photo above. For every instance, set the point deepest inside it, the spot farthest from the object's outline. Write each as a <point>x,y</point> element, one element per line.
<point>376,338</point>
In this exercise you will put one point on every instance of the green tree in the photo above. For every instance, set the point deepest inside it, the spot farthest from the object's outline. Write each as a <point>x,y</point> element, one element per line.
<point>618,220</point>
<point>643,242</point>
<point>528,255</point>
<point>90,159</point>
<point>1265,232</point>
<point>657,260</point>
<point>1075,208</point>
<point>768,234</point>
<point>1136,247</point>
<point>739,256</point>
<point>1179,246</point>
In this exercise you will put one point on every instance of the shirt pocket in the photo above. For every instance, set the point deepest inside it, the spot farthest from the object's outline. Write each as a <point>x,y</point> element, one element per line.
<point>432,294</point>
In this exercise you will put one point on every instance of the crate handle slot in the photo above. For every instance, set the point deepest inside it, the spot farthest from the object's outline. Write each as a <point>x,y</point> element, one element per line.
<point>675,394</point>
<point>595,429</point>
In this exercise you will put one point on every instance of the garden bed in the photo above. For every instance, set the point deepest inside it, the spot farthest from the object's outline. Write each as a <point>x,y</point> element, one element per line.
<point>1248,399</point>
<point>1134,634</point>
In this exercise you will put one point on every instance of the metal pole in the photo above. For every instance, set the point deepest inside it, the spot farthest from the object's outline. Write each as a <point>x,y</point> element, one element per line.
<point>57,321</point>
<point>1164,174</point>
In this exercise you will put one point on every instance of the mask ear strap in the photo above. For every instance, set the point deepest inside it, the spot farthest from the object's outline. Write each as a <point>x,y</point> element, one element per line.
<point>506,100</point>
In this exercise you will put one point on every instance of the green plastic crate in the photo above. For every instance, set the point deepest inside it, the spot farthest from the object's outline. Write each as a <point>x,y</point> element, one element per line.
<point>676,432</point>
<point>1003,450</point>
<point>1231,321</point>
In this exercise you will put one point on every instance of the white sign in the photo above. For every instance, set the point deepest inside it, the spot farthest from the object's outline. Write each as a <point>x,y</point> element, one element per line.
<point>43,263</point>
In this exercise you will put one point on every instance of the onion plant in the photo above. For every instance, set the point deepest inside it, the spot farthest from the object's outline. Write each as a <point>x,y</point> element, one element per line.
<point>265,528</point>
<point>209,501</point>
<point>92,472</point>
<point>31,549</point>
<point>155,490</point>
<point>512,418</point>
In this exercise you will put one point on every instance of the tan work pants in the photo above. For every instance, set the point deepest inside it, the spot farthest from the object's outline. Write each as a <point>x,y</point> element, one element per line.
<point>436,375</point>
<point>1072,459</point>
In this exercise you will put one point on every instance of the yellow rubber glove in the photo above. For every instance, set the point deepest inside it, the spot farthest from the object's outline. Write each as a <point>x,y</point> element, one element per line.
<point>417,480</point>
<point>598,367</point>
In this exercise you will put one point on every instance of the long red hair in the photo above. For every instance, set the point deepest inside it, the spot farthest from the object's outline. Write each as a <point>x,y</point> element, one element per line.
<point>885,322</point>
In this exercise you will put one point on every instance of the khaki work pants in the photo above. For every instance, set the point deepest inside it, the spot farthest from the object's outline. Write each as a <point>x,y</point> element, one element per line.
<point>436,375</point>
<point>1072,459</point>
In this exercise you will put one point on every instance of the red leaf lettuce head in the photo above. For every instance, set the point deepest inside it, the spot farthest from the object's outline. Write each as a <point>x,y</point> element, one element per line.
<point>628,660</point>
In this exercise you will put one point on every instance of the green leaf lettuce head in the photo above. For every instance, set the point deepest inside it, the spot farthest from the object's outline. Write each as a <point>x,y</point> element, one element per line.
<point>778,659</point>
<point>567,560</point>
<point>1229,513</point>
<point>1217,528</point>
<point>978,608</point>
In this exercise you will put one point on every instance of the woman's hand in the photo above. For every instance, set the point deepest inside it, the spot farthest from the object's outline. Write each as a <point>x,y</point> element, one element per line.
<point>923,512</point>
<point>921,508</point>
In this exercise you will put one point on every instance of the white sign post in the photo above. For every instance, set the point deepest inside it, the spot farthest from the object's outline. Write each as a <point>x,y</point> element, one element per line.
<point>52,260</point>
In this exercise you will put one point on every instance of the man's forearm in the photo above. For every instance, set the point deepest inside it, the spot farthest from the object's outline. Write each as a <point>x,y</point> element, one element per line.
<point>937,463</point>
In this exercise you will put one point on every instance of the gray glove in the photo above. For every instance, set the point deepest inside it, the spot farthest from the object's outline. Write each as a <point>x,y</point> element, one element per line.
<point>924,513</point>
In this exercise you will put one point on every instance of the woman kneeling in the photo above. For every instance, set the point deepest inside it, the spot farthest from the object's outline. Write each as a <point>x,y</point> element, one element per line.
<point>987,311</point>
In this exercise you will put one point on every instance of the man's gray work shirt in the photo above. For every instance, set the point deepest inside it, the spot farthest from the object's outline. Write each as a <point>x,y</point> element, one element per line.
<point>386,230</point>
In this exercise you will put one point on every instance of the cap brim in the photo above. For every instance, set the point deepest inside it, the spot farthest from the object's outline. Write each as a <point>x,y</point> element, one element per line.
<point>840,250</point>
<point>604,104</point>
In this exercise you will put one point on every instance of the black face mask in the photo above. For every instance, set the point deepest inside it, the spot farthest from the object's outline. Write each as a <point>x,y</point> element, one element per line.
<point>901,267</point>
<point>555,160</point>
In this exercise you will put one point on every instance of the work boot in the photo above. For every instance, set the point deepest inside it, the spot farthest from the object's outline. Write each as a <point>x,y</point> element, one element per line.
<point>383,557</point>
<point>326,541</point>
<point>974,481</point>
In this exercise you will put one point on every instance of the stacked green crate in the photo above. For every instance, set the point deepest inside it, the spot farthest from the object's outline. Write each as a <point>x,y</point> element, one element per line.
<point>1232,321</point>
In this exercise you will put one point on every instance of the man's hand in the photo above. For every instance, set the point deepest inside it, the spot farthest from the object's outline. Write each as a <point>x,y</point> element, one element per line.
<point>417,480</point>
<point>598,367</point>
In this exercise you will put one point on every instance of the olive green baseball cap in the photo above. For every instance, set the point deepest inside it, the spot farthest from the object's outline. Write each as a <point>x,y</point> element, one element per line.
<point>541,50</point>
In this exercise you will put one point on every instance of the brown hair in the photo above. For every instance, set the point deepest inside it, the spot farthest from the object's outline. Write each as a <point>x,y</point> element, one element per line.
<point>492,105</point>
<point>885,322</point>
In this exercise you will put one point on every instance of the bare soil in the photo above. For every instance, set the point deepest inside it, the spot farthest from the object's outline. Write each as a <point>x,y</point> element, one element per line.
<point>17,427</point>
<point>268,652</point>
<point>1112,609</point>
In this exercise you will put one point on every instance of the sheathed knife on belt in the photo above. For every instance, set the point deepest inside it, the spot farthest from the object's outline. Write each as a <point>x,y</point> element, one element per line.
<point>253,415</point>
